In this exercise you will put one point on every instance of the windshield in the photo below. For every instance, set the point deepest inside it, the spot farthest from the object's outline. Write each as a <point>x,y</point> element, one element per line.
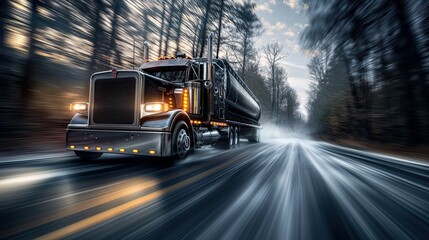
<point>169,74</point>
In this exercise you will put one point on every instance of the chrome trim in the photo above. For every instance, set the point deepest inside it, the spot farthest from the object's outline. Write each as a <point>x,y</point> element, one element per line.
<point>194,95</point>
<point>144,141</point>
<point>243,124</point>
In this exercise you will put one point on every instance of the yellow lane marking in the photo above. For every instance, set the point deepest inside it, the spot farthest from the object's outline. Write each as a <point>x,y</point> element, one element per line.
<point>102,199</point>
<point>103,216</point>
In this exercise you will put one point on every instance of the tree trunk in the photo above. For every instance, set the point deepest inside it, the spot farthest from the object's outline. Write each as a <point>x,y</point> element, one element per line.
<point>179,23</point>
<point>27,80</point>
<point>169,28</point>
<point>407,50</point>
<point>219,28</point>
<point>161,31</point>
<point>113,46</point>
<point>98,29</point>
<point>274,91</point>
<point>203,32</point>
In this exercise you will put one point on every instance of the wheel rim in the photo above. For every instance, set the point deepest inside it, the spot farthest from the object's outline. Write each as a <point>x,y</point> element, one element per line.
<point>183,143</point>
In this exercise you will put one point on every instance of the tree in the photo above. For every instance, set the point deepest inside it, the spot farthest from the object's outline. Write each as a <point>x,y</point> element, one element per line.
<point>273,53</point>
<point>246,26</point>
<point>27,79</point>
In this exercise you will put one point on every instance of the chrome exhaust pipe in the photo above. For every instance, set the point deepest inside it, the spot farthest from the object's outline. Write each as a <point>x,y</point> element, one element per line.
<point>209,75</point>
<point>208,84</point>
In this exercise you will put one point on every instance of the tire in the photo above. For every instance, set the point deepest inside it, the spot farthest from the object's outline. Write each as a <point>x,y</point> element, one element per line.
<point>236,137</point>
<point>231,137</point>
<point>88,155</point>
<point>181,142</point>
<point>226,143</point>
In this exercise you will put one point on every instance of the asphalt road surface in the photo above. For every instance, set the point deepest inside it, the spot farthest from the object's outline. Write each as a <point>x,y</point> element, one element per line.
<point>278,189</point>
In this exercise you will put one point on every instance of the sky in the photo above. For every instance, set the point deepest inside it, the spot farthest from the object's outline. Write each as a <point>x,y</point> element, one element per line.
<point>283,21</point>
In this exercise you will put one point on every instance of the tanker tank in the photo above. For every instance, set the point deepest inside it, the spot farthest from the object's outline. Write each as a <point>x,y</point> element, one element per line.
<point>241,104</point>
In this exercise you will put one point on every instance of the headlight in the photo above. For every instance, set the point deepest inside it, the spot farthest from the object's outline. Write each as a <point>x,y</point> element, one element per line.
<point>156,107</point>
<point>79,107</point>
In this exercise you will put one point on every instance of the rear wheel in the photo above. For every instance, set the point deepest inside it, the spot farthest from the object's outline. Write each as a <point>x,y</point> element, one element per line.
<point>181,140</point>
<point>236,136</point>
<point>231,137</point>
<point>227,141</point>
<point>88,155</point>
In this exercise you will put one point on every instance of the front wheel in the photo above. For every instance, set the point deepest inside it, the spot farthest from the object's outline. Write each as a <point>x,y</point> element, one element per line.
<point>88,155</point>
<point>181,140</point>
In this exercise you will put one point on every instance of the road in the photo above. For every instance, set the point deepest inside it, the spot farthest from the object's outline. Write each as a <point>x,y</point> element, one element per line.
<point>277,189</point>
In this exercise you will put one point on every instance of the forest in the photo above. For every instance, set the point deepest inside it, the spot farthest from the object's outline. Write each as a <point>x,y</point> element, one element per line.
<point>49,49</point>
<point>369,61</point>
<point>369,70</point>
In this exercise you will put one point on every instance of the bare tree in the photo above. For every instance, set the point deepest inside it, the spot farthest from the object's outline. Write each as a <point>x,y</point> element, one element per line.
<point>273,53</point>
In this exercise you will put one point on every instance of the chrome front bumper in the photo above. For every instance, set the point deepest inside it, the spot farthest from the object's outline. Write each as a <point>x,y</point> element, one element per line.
<point>147,143</point>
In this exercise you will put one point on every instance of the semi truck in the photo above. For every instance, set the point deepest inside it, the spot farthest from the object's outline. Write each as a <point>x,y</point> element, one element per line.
<point>165,108</point>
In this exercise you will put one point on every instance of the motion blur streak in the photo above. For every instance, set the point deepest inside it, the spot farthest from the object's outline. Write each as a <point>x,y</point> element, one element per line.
<point>279,189</point>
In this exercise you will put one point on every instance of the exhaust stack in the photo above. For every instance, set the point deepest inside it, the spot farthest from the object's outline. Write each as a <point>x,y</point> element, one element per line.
<point>209,74</point>
<point>145,51</point>
<point>208,84</point>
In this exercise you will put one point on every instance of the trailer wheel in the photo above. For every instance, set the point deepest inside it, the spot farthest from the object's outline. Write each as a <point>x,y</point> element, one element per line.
<point>181,140</point>
<point>227,142</point>
<point>236,136</point>
<point>88,155</point>
<point>231,137</point>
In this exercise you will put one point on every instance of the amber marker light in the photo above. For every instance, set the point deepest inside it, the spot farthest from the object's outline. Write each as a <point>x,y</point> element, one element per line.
<point>121,149</point>
<point>98,148</point>
<point>72,146</point>
<point>135,150</point>
<point>110,149</point>
<point>152,151</point>
<point>86,147</point>
<point>185,100</point>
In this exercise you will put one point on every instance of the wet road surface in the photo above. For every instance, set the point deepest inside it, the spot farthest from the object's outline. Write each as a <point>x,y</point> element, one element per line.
<point>277,189</point>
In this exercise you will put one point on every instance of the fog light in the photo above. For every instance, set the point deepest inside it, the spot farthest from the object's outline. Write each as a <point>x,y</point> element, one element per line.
<point>72,146</point>
<point>152,151</point>
<point>110,149</point>
<point>98,148</point>
<point>121,149</point>
<point>86,148</point>
<point>135,150</point>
